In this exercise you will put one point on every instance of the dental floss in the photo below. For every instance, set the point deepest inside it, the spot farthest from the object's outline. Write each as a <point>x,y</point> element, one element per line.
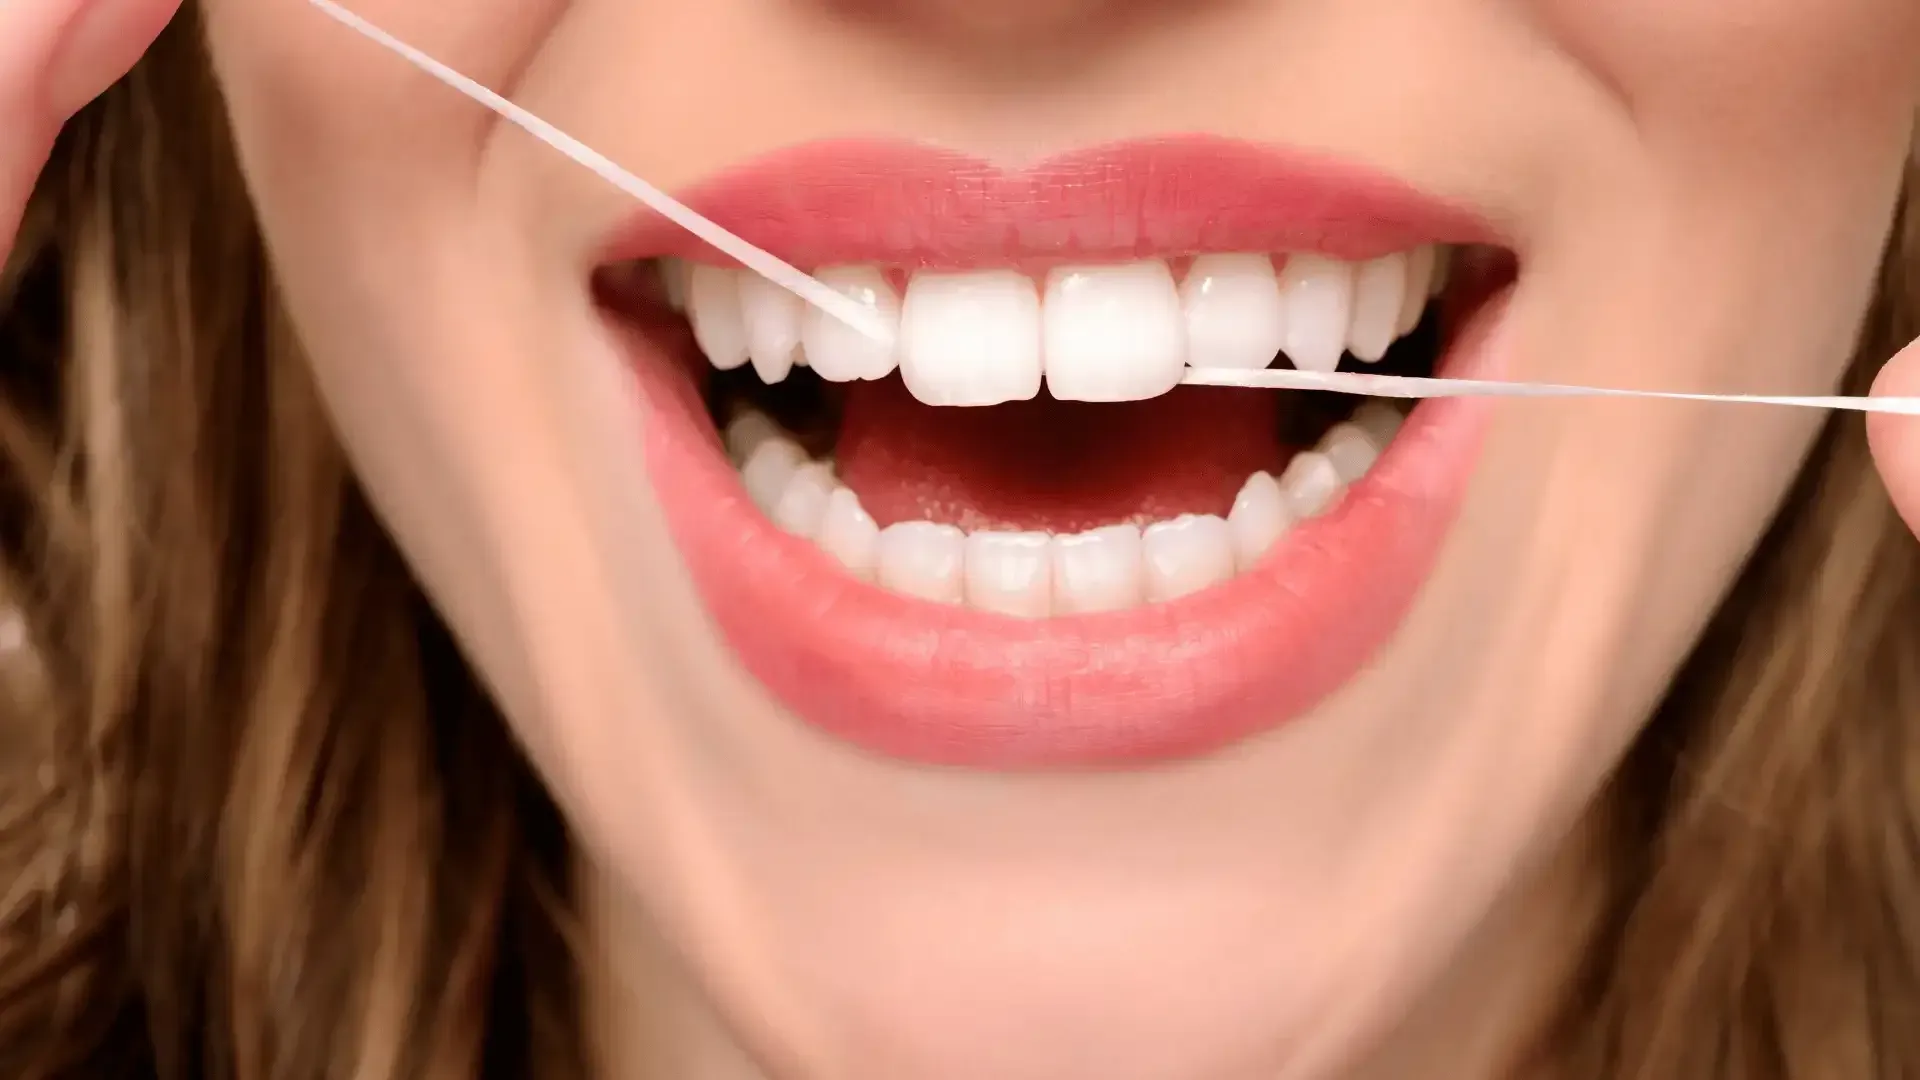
<point>868,323</point>
<point>760,262</point>
<point>1411,386</point>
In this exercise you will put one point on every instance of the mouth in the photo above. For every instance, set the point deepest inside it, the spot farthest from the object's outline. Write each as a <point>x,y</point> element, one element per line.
<point>1012,539</point>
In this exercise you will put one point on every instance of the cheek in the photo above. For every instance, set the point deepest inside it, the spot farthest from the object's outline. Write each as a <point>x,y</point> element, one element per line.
<point>342,142</point>
<point>1782,77</point>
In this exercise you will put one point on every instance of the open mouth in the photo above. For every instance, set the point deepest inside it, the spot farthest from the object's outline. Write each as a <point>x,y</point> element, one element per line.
<point>1013,538</point>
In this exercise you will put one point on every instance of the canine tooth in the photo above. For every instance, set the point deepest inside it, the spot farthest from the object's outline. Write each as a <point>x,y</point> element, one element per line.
<point>772,318</point>
<point>746,431</point>
<point>1351,449</point>
<point>1233,312</point>
<point>1259,518</point>
<point>768,468</point>
<point>972,338</point>
<point>1318,293</point>
<point>1010,573</point>
<point>675,277</point>
<point>1420,264</point>
<point>1378,419</point>
<point>835,350</point>
<point>848,533</point>
<point>802,505</point>
<point>1379,294</point>
<point>713,306</point>
<point>1097,571</point>
<point>1186,555</point>
<point>1112,333</point>
<point>1310,484</point>
<point>924,560</point>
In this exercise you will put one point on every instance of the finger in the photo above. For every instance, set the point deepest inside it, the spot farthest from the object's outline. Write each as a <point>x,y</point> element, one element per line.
<point>55,56</point>
<point>100,45</point>
<point>30,31</point>
<point>1896,439</point>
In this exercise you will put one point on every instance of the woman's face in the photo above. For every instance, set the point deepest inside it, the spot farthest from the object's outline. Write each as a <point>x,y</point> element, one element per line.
<point>1014,788</point>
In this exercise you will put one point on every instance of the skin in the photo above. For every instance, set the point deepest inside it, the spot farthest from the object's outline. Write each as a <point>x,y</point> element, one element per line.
<point>1698,195</point>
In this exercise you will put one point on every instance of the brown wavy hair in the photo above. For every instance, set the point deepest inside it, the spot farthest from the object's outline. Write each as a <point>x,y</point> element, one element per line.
<point>258,822</point>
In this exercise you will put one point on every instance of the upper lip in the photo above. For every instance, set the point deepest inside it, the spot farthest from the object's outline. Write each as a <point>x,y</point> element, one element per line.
<point>913,206</point>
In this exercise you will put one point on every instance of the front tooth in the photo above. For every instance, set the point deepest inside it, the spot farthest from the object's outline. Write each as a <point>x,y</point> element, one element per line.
<point>1112,333</point>
<point>1097,571</point>
<point>1233,312</point>
<point>1318,293</point>
<point>713,306</point>
<point>772,317</point>
<point>1379,293</point>
<point>1311,485</point>
<point>802,504</point>
<point>924,560</point>
<point>768,468</point>
<point>1186,555</point>
<point>1420,267</point>
<point>1351,449</point>
<point>848,533</point>
<point>1259,518</point>
<point>972,338</point>
<point>838,352</point>
<point>1011,573</point>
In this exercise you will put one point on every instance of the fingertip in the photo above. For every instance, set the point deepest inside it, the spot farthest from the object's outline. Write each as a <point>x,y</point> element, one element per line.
<point>1895,438</point>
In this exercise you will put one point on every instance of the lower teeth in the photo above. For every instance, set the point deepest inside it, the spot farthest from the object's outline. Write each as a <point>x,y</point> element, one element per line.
<point>1038,574</point>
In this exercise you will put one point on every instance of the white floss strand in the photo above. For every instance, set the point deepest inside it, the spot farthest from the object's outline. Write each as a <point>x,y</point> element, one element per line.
<point>868,323</point>
<point>760,262</point>
<point>1408,386</point>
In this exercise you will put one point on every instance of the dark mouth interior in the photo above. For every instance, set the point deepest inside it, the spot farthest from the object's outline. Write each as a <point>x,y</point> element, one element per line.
<point>1051,465</point>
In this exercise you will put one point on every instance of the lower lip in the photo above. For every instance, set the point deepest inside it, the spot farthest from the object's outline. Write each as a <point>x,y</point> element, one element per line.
<point>951,686</point>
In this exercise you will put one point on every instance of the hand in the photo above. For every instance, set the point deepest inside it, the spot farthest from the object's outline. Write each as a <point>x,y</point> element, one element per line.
<point>55,57</point>
<point>1896,439</point>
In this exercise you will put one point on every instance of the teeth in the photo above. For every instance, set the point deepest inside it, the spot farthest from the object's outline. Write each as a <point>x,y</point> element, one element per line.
<point>847,533</point>
<point>1113,333</point>
<point>802,505</point>
<point>971,339</point>
<point>1318,293</point>
<point>835,350</point>
<point>713,306</point>
<point>1379,420</point>
<point>1097,571</point>
<point>772,318</point>
<point>1119,332</point>
<point>1233,312</point>
<point>1011,573</point>
<point>767,469</point>
<point>1259,518</point>
<point>1351,450</point>
<point>1379,294</point>
<point>924,560</point>
<point>1033,575</point>
<point>1186,555</point>
<point>746,432</point>
<point>1310,484</point>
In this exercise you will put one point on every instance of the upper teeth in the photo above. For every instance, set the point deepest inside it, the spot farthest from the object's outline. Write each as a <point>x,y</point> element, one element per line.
<point>1114,332</point>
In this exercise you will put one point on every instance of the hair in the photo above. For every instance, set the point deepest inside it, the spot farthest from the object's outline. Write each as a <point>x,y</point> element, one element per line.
<point>258,821</point>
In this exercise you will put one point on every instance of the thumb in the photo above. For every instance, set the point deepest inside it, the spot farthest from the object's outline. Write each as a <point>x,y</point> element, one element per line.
<point>1895,439</point>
